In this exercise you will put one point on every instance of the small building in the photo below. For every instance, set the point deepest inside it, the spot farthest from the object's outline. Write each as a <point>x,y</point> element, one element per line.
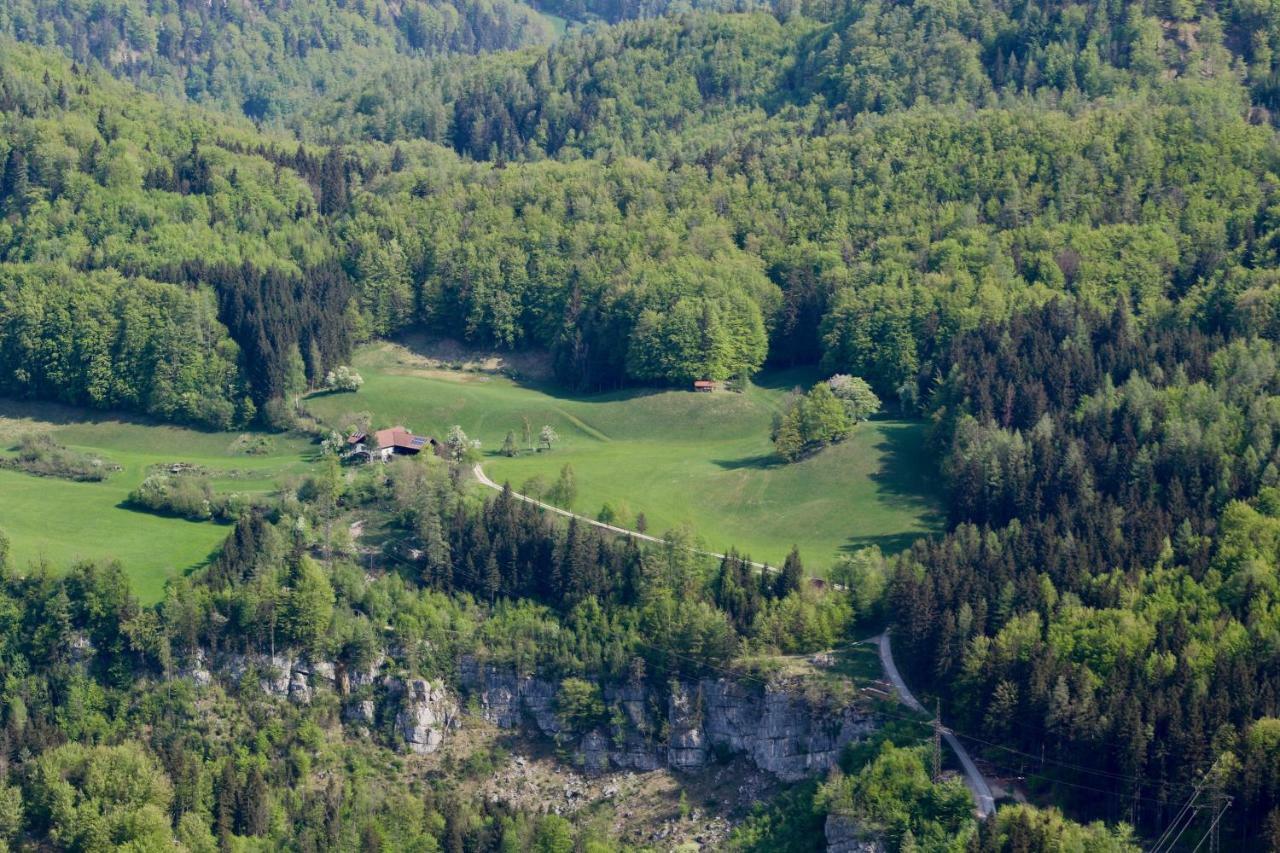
<point>704,385</point>
<point>386,443</point>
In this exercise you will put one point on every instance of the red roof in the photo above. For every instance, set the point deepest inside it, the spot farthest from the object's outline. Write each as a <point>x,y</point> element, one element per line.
<point>398,437</point>
<point>703,383</point>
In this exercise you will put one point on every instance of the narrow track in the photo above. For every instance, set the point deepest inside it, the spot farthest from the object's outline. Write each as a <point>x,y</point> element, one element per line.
<point>983,800</point>
<point>484,480</point>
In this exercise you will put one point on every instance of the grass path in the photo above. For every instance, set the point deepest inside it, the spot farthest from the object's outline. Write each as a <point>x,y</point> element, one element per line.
<point>676,456</point>
<point>480,476</point>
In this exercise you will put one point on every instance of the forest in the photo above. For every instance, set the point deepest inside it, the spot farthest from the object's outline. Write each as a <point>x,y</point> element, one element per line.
<point>1049,231</point>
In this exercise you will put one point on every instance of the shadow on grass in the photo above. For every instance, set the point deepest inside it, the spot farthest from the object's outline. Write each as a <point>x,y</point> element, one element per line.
<point>191,569</point>
<point>762,462</point>
<point>907,480</point>
<point>888,543</point>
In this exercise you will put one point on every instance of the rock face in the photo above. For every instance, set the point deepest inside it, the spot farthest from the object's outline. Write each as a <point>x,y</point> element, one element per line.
<point>778,729</point>
<point>424,710</point>
<point>844,835</point>
<point>281,675</point>
<point>426,713</point>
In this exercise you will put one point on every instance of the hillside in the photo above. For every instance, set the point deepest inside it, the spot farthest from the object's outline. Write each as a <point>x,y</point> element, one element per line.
<point>265,60</point>
<point>676,457</point>
<point>1037,242</point>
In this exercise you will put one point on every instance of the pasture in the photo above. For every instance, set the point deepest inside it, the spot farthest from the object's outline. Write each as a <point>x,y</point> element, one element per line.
<point>676,456</point>
<point>59,521</point>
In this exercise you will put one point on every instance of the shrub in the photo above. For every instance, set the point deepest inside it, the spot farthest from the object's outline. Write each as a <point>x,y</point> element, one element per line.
<point>190,497</point>
<point>343,378</point>
<point>44,457</point>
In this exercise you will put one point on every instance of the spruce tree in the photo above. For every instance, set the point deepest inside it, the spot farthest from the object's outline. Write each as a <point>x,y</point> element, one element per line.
<point>791,576</point>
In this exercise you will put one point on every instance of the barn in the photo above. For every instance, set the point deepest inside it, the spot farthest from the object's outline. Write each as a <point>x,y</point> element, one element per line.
<point>394,441</point>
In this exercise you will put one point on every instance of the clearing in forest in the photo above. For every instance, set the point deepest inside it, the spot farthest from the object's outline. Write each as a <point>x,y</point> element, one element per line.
<point>676,456</point>
<point>60,521</point>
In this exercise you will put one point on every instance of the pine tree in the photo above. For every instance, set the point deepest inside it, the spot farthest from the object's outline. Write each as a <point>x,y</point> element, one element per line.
<point>791,576</point>
<point>308,605</point>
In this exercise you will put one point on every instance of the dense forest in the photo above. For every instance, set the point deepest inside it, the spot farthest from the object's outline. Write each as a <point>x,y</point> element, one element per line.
<point>865,242</point>
<point>106,740</point>
<point>266,60</point>
<point>1048,229</point>
<point>1110,576</point>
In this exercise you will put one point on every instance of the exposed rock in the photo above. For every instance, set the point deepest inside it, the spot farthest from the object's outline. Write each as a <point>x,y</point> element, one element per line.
<point>361,713</point>
<point>366,676</point>
<point>275,674</point>
<point>780,730</point>
<point>687,747</point>
<point>507,698</point>
<point>80,649</point>
<point>299,689</point>
<point>845,835</point>
<point>427,712</point>
<point>593,753</point>
<point>197,669</point>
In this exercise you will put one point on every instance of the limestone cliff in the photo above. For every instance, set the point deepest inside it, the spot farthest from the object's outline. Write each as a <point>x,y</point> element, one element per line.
<point>778,728</point>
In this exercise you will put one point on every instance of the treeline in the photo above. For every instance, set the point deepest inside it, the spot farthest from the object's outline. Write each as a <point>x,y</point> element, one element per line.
<point>146,266</point>
<point>99,339</point>
<point>1101,609</point>
<point>749,241</point>
<point>270,61</point>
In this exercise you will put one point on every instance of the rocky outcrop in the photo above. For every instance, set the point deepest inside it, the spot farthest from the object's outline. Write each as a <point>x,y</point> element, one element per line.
<point>777,728</point>
<point>283,675</point>
<point>424,711</point>
<point>845,835</point>
<point>427,711</point>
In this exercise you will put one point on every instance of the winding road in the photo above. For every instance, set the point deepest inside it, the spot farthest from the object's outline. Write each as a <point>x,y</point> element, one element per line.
<point>484,480</point>
<point>983,800</point>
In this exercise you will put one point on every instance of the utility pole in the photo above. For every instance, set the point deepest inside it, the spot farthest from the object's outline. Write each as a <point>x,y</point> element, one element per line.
<point>1219,802</point>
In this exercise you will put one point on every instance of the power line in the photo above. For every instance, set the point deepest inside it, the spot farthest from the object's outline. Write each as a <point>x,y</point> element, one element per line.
<point>1140,782</point>
<point>1176,820</point>
<point>1213,827</point>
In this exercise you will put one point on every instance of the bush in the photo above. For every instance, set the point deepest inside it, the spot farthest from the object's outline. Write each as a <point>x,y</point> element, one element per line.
<point>579,704</point>
<point>343,378</point>
<point>44,457</point>
<point>812,422</point>
<point>190,497</point>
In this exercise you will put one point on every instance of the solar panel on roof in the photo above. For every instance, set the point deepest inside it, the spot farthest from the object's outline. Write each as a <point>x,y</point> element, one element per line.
<point>417,441</point>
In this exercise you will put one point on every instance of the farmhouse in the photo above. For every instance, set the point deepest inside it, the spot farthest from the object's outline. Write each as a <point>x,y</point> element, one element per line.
<point>386,443</point>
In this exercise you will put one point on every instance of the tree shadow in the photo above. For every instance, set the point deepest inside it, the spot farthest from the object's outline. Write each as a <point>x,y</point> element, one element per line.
<point>762,462</point>
<point>61,414</point>
<point>908,480</point>
<point>888,543</point>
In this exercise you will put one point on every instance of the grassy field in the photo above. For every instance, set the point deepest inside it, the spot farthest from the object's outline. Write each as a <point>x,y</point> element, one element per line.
<point>59,521</point>
<point>676,456</point>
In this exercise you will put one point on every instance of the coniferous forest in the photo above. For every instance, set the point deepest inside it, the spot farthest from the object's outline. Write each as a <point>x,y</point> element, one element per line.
<point>1050,232</point>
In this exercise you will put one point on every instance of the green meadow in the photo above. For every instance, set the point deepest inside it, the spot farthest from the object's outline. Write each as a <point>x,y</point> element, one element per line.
<point>677,456</point>
<point>59,521</point>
